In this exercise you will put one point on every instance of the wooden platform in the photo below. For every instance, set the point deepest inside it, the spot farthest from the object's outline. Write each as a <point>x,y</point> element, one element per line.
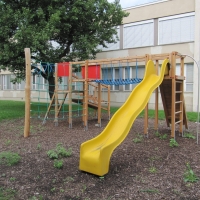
<point>90,104</point>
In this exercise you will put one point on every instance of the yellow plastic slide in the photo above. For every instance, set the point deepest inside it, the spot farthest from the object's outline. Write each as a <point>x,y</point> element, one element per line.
<point>95,154</point>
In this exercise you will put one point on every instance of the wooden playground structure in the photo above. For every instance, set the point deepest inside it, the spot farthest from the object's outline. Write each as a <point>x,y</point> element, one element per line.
<point>171,90</point>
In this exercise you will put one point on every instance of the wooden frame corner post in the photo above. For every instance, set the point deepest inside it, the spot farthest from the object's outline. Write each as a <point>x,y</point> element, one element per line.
<point>56,95</point>
<point>70,94</point>
<point>27,92</point>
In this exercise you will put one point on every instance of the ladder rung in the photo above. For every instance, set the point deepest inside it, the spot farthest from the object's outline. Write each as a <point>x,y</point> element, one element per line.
<point>179,102</point>
<point>178,122</point>
<point>178,112</point>
<point>179,81</point>
<point>178,92</point>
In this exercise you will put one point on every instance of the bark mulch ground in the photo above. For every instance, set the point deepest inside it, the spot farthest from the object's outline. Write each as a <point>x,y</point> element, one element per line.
<point>149,169</point>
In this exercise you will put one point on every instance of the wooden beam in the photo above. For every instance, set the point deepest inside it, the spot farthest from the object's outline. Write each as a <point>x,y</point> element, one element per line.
<point>147,57</point>
<point>56,95</point>
<point>70,94</point>
<point>156,100</point>
<point>85,101</point>
<point>99,104</point>
<point>27,92</point>
<point>173,107</point>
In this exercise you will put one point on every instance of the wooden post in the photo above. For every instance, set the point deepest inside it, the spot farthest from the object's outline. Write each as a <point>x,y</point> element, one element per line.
<point>70,95</point>
<point>146,108</point>
<point>27,92</point>
<point>156,100</point>
<point>181,98</point>
<point>99,104</point>
<point>85,101</point>
<point>173,107</point>
<point>108,102</point>
<point>56,95</point>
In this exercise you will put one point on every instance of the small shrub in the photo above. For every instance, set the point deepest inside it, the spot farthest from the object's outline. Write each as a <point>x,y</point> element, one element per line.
<point>39,146</point>
<point>138,139</point>
<point>62,151</point>
<point>173,143</point>
<point>101,177</point>
<point>153,170</point>
<point>12,178</point>
<point>150,190</point>
<point>7,142</point>
<point>59,152</point>
<point>189,175</point>
<point>58,164</point>
<point>52,154</point>
<point>189,135</point>
<point>163,137</point>
<point>7,193</point>
<point>8,158</point>
<point>68,179</point>
<point>157,134</point>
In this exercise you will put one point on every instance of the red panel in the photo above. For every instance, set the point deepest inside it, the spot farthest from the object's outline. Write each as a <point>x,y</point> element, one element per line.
<point>93,72</point>
<point>63,69</point>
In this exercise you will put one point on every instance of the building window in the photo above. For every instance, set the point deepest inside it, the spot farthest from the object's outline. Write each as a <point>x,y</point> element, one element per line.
<point>112,46</point>
<point>112,73</point>
<point>117,75</point>
<point>7,84</point>
<point>1,82</point>
<point>107,74</point>
<point>188,83</point>
<point>127,75</point>
<point>189,77</point>
<point>138,34</point>
<point>176,29</point>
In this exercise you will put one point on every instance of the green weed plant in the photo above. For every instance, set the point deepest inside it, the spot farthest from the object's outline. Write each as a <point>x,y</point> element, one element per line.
<point>173,143</point>
<point>150,190</point>
<point>189,135</point>
<point>59,152</point>
<point>162,137</point>
<point>58,164</point>
<point>138,139</point>
<point>9,159</point>
<point>152,170</point>
<point>7,193</point>
<point>189,175</point>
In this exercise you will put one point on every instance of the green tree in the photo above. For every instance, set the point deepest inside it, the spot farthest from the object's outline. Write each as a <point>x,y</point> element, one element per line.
<point>77,28</point>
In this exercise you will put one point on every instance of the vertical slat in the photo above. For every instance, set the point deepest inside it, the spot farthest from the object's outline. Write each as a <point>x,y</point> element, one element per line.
<point>173,65</point>
<point>85,102</point>
<point>27,92</point>
<point>99,104</point>
<point>181,98</point>
<point>146,108</point>
<point>156,100</point>
<point>56,95</point>
<point>70,95</point>
<point>108,102</point>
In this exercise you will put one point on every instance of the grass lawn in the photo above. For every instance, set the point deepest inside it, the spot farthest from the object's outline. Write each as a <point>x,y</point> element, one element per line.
<point>16,109</point>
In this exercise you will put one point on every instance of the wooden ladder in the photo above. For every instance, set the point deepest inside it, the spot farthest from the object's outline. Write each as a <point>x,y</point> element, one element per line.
<point>52,103</point>
<point>174,105</point>
<point>177,106</point>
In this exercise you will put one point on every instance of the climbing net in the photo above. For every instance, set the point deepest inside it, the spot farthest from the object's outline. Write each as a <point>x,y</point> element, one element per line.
<point>44,84</point>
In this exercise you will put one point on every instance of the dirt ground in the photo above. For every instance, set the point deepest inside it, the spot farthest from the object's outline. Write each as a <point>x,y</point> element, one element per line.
<point>150,169</point>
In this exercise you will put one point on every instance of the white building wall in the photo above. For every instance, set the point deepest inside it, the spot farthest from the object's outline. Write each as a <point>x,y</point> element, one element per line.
<point>196,54</point>
<point>181,11</point>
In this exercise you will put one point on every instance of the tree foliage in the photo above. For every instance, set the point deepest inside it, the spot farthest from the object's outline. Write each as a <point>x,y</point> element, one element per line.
<point>77,28</point>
